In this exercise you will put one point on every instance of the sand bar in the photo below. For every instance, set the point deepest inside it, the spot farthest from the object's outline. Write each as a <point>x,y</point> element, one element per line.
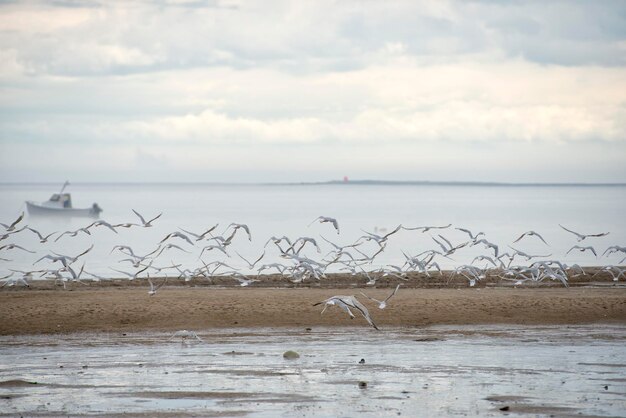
<point>94,309</point>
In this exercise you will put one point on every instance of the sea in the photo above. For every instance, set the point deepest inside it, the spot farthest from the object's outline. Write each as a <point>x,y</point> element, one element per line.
<point>502,211</point>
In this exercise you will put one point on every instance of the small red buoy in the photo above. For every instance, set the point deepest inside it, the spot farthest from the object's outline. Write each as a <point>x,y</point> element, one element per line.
<point>345,179</point>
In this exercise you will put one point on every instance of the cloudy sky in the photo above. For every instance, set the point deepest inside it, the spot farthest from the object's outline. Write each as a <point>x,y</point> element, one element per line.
<point>201,90</point>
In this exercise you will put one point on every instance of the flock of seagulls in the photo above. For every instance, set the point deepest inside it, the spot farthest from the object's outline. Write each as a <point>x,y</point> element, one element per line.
<point>302,258</point>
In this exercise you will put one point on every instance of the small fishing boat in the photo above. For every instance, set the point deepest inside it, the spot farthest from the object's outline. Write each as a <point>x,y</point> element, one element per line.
<point>61,204</point>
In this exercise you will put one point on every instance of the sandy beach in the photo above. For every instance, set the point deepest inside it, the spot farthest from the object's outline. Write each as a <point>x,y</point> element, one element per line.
<point>126,306</point>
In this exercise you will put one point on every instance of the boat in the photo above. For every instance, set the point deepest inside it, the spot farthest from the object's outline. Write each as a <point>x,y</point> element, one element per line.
<point>61,204</point>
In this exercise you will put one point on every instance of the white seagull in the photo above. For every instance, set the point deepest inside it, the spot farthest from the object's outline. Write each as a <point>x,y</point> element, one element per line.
<point>242,226</point>
<point>581,237</point>
<point>345,303</point>
<point>582,249</point>
<point>42,239</point>
<point>468,232</point>
<point>382,304</point>
<point>11,227</point>
<point>323,219</point>
<point>153,288</point>
<point>529,234</point>
<point>176,234</point>
<point>143,221</point>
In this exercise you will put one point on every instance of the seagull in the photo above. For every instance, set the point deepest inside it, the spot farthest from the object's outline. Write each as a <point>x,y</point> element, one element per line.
<point>242,226</point>
<point>468,232</point>
<point>251,265</point>
<point>382,304</point>
<point>345,303</point>
<point>340,248</point>
<point>370,259</point>
<point>200,237</point>
<point>214,247</point>
<point>527,256</point>
<point>102,223</point>
<point>183,334</point>
<point>125,225</point>
<point>12,281</point>
<point>122,248</point>
<point>73,259</point>
<point>143,221</point>
<point>451,248</point>
<point>614,249</point>
<point>426,228</point>
<point>582,249</point>
<point>131,275</point>
<point>170,246</point>
<point>281,268</point>
<point>303,241</point>
<point>243,280</point>
<point>487,244</point>
<point>176,235</point>
<point>153,288</point>
<point>217,264</point>
<point>581,237</point>
<point>614,271</point>
<point>42,239</point>
<point>323,219</point>
<point>95,277</point>
<point>7,234</point>
<point>11,227</point>
<point>12,246</point>
<point>531,233</point>
<point>485,258</point>
<point>379,238</point>
<point>277,241</point>
<point>73,233</point>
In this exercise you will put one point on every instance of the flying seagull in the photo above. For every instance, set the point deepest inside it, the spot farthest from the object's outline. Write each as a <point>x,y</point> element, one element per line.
<point>345,303</point>
<point>529,234</point>
<point>323,219</point>
<point>581,237</point>
<point>143,221</point>
<point>382,304</point>
<point>12,226</point>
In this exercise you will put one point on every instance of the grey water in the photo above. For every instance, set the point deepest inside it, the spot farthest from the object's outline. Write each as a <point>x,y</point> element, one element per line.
<point>433,371</point>
<point>502,212</point>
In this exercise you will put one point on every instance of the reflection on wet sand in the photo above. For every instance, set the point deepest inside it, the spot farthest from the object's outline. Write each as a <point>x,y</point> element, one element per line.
<point>439,371</point>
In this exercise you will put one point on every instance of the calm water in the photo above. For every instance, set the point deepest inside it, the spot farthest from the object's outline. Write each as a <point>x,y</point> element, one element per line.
<point>435,371</point>
<point>503,213</point>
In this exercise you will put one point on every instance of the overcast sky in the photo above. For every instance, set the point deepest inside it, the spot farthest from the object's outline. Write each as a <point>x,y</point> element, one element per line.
<point>195,90</point>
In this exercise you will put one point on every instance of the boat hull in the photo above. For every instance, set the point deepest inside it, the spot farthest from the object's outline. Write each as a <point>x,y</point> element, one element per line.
<point>35,209</point>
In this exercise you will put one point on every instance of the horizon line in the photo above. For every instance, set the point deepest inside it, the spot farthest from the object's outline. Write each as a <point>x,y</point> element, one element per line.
<point>359,182</point>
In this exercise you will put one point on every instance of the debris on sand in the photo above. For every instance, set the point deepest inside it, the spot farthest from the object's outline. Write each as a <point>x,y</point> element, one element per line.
<point>290,355</point>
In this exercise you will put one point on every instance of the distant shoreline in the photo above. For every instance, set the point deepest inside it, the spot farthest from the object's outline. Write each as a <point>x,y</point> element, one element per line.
<point>340,183</point>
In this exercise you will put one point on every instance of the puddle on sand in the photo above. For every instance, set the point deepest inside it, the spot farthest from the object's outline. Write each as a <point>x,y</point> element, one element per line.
<point>434,371</point>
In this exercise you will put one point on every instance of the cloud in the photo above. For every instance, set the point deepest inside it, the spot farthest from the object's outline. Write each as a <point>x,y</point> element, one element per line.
<point>138,37</point>
<point>172,81</point>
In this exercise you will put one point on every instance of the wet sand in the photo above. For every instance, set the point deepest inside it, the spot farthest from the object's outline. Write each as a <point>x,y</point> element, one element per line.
<point>440,371</point>
<point>129,308</point>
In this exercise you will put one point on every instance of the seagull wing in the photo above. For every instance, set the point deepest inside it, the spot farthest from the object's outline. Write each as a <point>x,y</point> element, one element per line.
<point>37,232</point>
<point>541,238</point>
<point>371,298</point>
<point>143,221</point>
<point>598,235</point>
<point>393,293</point>
<point>155,218</point>
<point>572,232</point>
<point>362,309</point>
<point>17,221</point>
<point>520,237</point>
